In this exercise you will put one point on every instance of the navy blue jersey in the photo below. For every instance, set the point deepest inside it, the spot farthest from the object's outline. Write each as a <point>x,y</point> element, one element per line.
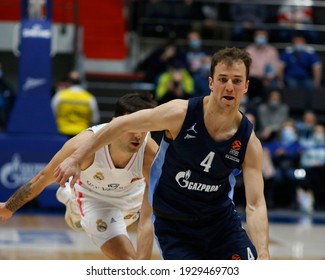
<point>193,176</point>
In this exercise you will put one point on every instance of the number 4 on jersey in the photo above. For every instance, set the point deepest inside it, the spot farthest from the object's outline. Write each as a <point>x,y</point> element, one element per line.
<point>207,162</point>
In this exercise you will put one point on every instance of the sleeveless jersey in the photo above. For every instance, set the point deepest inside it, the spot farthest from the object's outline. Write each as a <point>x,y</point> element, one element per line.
<point>193,177</point>
<point>121,188</point>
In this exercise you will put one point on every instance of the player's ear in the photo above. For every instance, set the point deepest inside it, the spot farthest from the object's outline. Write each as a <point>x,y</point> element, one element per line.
<point>246,87</point>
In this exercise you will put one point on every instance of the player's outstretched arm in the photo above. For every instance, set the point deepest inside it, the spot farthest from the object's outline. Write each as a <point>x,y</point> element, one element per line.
<point>24,194</point>
<point>44,178</point>
<point>168,117</point>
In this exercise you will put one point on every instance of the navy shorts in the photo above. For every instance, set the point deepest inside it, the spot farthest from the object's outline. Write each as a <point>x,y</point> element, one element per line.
<point>181,240</point>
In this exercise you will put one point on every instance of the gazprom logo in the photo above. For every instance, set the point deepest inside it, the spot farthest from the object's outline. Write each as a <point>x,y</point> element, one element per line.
<point>36,31</point>
<point>182,178</point>
<point>15,173</point>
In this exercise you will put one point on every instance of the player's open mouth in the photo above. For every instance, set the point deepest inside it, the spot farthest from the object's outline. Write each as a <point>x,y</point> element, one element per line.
<point>135,144</point>
<point>229,97</point>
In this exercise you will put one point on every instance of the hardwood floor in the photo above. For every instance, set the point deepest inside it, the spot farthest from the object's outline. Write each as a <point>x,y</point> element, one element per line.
<point>39,237</point>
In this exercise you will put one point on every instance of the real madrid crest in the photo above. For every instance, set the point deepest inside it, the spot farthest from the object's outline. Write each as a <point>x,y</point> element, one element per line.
<point>99,176</point>
<point>101,225</point>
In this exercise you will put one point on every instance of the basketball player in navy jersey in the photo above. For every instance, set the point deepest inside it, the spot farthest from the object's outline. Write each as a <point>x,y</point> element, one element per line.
<point>207,142</point>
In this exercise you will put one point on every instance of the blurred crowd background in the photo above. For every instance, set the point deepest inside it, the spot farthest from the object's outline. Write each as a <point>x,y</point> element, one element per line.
<point>103,50</point>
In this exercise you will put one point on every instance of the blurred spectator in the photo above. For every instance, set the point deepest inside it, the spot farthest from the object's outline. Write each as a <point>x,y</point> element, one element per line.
<point>285,152</point>
<point>300,65</point>
<point>177,82</point>
<point>290,16</point>
<point>306,127</point>
<point>313,162</point>
<point>209,26</point>
<point>164,17</point>
<point>155,10</point>
<point>201,77</point>
<point>246,18</point>
<point>159,59</point>
<point>314,151</point>
<point>62,83</point>
<point>271,115</point>
<point>7,99</point>
<point>194,53</point>
<point>189,13</point>
<point>265,65</point>
<point>74,107</point>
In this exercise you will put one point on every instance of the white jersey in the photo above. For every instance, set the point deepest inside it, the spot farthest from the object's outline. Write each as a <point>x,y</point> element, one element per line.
<point>120,188</point>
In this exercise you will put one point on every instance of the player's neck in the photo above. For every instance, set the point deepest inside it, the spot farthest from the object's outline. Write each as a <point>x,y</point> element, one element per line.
<point>119,156</point>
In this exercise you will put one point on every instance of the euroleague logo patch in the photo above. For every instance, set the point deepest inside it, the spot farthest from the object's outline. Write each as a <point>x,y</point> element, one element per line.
<point>236,145</point>
<point>235,257</point>
<point>234,151</point>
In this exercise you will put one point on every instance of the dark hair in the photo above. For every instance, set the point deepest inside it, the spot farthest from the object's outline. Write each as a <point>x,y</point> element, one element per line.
<point>132,102</point>
<point>230,56</point>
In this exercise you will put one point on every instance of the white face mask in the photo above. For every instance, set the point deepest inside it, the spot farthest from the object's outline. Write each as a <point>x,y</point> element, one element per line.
<point>288,136</point>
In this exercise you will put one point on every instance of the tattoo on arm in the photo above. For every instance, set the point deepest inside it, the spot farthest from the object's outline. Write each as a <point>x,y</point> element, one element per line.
<point>20,197</point>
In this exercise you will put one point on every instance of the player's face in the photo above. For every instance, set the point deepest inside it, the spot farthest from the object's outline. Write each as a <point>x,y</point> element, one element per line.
<point>132,142</point>
<point>229,84</point>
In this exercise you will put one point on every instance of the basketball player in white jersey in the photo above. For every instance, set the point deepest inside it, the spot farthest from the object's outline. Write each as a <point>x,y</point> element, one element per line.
<point>111,193</point>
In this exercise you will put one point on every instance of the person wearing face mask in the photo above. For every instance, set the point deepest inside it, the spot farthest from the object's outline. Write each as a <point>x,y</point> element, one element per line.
<point>195,52</point>
<point>306,127</point>
<point>300,65</point>
<point>271,115</point>
<point>200,77</point>
<point>285,152</point>
<point>265,65</point>
<point>313,162</point>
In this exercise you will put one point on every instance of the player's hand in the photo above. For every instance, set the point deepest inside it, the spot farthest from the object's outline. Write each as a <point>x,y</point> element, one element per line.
<point>68,168</point>
<point>5,214</point>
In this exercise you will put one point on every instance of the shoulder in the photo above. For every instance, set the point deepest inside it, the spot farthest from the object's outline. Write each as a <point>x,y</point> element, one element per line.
<point>310,50</point>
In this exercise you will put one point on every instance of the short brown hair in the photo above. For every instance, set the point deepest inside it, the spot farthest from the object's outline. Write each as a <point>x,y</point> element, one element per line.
<point>132,102</point>
<point>229,56</point>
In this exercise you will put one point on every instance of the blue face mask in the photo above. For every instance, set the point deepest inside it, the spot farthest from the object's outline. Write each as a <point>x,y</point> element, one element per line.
<point>260,40</point>
<point>195,44</point>
<point>288,136</point>
<point>299,47</point>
